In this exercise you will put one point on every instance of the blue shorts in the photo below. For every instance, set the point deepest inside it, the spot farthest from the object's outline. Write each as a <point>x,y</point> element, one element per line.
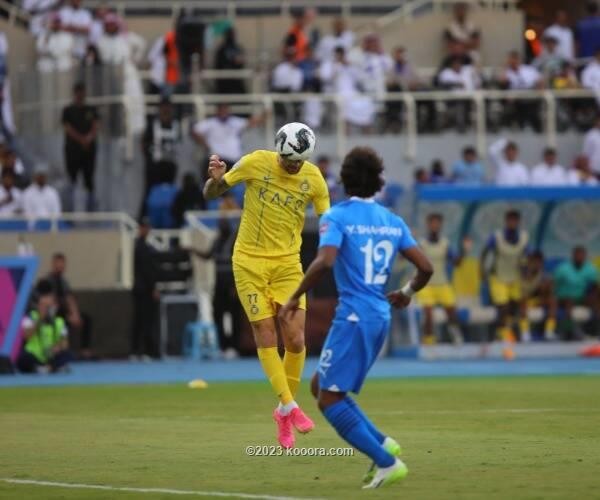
<point>350,349</point>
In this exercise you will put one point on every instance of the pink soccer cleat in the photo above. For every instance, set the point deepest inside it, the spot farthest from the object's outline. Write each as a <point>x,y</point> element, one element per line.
<point>285,433</point>
<point>300,421</point>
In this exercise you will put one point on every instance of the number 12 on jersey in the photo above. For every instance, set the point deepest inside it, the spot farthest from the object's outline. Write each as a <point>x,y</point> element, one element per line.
<point>377,261</point>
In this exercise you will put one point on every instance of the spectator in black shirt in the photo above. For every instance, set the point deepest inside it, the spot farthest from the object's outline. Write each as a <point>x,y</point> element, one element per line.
<point>188,198</point>
<point>68,308</point>
<point>225,297</point>
<point>80,123</point>
<point>159,144</point>
<point>230,55</point>
<point>145,296</point>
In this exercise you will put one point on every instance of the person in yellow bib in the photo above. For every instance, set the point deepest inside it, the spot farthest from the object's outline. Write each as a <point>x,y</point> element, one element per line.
<point>266,257</point>
<point>508,248</point>
<point>439,291</point>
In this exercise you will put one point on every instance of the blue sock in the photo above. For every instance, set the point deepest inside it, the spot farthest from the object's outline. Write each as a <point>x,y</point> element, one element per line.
<point>372,429</point>
<point>354,430</point>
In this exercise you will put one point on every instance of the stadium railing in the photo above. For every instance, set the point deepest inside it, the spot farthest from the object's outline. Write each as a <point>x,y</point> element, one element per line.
<point>410,9</point>
<point>203,105</point>
<point>15,14</point>
<point>98,245</point>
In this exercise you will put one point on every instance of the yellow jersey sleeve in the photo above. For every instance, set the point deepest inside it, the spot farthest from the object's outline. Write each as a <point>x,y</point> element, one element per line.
<point>241,171</point>
<point>321,196</point>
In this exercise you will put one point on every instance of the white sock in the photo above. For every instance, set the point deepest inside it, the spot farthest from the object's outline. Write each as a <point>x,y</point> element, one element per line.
<point>286,409</point>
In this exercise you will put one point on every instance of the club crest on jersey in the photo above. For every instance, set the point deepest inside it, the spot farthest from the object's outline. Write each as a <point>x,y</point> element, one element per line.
<point>323,228</point>
<point>304,186</point>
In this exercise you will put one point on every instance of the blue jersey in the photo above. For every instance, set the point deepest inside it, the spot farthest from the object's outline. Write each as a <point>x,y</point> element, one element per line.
<point>368,237</point>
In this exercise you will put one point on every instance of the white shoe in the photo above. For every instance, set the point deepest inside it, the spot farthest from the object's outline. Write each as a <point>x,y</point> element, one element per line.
<point>550,336</point>
<point>388,475</point>
<point>526,337</point>
<point>393,448</point>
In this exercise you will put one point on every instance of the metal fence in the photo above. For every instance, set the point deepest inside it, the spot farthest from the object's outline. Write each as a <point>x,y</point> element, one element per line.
<point>486,112</point>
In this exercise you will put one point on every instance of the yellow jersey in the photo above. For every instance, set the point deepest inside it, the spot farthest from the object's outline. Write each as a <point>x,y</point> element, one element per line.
<point>275,203</point>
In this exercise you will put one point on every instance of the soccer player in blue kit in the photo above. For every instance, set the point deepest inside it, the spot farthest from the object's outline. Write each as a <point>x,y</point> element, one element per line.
<point>359,239</point>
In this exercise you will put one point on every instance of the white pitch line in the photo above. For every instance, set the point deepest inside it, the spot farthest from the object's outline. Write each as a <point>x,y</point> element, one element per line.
<point>486,410</point>
<point>221,494</point>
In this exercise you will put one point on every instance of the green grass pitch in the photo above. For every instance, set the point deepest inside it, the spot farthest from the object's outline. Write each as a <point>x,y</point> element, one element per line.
<point>463,438</point>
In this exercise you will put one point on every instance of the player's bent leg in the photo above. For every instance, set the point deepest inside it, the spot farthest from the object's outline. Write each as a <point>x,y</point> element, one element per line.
<point>265,336</point>
<point>292,332</point>
<point>388,443</point>
<point>353,429</point>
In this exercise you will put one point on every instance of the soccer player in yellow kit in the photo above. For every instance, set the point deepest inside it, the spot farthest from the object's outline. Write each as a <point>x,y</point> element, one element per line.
<point>266,257</point>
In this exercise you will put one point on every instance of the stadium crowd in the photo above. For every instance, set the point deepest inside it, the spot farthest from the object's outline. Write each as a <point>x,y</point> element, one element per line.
<point>71,38</point>
<point>361,71</point>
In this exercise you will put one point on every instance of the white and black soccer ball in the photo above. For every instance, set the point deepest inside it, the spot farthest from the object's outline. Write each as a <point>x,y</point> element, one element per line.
<point>295,141</point>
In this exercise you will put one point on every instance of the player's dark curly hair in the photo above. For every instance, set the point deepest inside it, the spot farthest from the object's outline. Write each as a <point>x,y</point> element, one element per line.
<point>361,172</point>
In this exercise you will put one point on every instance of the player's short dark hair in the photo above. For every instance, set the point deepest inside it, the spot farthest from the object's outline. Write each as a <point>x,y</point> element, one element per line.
<point>549,151</point>
<point>361,172</point>
<point>469,150</point>
<point>511,145</point>
<point>435,216</point>
<point>512,214</point>
<point>579,248</point>
<point>58,256</point>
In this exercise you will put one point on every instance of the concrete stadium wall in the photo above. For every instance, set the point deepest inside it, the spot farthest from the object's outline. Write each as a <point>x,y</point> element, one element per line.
<point>262,35</point>
<point>93,257</point>
<point>21,46</point>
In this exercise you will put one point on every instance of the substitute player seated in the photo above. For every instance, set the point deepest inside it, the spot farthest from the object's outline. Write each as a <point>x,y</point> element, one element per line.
<point>266,257</point>
<point>538,291</point>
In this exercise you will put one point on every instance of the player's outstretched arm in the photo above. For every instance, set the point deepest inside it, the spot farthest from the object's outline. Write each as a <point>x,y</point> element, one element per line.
<point>401,298</point>
<point>323,262</point>
<point>215,186</point>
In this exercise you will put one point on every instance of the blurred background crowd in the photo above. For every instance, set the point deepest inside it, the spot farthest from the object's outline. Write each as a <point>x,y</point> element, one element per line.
<point>115,106</point>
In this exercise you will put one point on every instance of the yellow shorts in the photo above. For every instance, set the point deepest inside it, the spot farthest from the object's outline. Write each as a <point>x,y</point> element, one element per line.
<point>263,282</point>
<point>437,295</point>
<point>503,293</point>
